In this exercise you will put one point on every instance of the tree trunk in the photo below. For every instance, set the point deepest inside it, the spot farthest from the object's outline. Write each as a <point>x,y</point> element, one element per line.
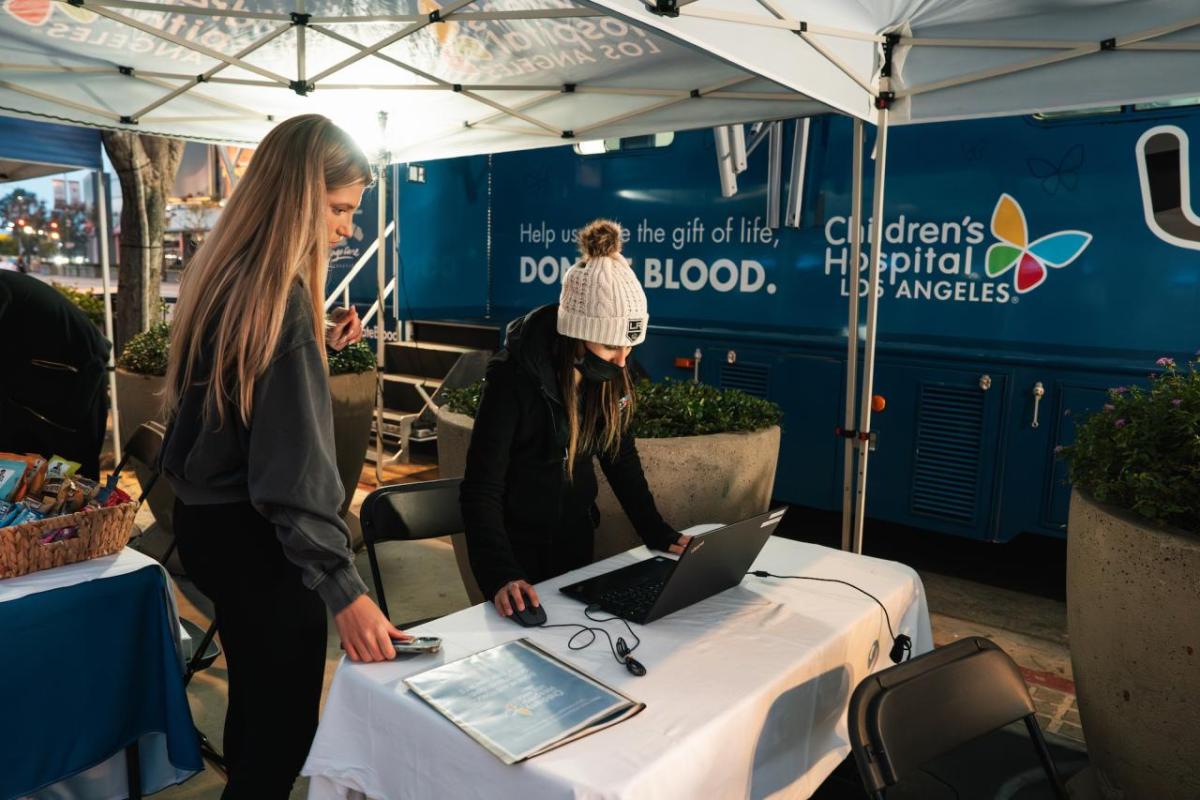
<point>146,167</point>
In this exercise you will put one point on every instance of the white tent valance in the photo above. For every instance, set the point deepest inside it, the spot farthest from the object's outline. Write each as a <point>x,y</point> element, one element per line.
<point>473,76</point>
<point>464,76</point>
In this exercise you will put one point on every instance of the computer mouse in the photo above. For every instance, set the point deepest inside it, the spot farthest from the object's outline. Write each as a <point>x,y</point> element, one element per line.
<point>531,617</point>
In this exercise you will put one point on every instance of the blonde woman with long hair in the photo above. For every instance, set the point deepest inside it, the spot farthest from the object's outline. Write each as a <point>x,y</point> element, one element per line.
<point>556,396</point>
<point>249,447</point>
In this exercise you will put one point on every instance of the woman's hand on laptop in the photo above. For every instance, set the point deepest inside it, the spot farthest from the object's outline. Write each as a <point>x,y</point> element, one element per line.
<point>680,545</point>
<point>512,597</point>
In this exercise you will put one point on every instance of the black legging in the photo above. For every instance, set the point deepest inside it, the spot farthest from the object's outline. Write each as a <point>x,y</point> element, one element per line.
<point>273,631</point>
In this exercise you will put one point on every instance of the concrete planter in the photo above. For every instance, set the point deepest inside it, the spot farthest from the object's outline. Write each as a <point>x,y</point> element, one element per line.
<point>720,477</point>
<point>139,399</point>
<point>1133,614</point>
<point>353,396</point>
<point>453,438</point>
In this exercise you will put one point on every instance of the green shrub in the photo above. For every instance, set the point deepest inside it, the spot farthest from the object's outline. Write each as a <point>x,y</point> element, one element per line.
<point>1141,451</point>
<point>146,353</point>
<point>670,408</point>
<point>465,400</point>
<point>90,304</point>
<point>353,358</point>
<point>678,408</point>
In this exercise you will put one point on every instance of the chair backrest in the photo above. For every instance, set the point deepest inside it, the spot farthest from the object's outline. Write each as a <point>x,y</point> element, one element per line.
<point>408,511</point>
<point>145,443</point>
<point>141,453</point>
<point>904,716</point>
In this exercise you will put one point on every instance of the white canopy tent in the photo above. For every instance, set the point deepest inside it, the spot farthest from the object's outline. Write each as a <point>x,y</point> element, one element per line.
<point>457,77</point>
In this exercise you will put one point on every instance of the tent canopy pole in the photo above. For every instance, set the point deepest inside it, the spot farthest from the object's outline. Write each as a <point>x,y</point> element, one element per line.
<point>868,381</point>
<point>102,227</point>
<point>381,291</point>
<point>851,284</point>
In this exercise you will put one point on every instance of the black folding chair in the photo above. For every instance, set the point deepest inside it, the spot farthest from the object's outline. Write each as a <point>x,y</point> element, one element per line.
<point>408,512</point>
<point>905,716</point>
<point>141,455</point>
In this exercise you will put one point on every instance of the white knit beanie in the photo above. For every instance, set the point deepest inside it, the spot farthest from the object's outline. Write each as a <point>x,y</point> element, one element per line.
<point>602,300</point>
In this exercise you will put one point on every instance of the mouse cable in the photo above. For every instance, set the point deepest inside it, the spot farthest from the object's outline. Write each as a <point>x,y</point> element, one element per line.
<point>901,645</point>
<point>620,651</point>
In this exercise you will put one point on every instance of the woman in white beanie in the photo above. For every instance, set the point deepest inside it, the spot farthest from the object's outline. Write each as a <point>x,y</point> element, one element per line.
<point>556,395</point>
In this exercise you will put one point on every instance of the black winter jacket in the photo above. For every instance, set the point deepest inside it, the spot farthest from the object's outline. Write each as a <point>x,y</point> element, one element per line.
<point>524,520</point>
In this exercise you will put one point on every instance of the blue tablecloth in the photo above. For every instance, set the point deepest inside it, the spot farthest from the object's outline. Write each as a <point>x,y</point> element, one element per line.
<point>85,670</point>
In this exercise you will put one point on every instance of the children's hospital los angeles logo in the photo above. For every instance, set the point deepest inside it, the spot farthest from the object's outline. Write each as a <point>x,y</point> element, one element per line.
<point>927,260</point>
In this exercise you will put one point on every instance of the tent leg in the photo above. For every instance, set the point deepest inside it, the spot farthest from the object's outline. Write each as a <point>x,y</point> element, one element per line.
<point>381,291</point>
<point>848,471</point>
<point>868,379</point>
<point>102,228</point>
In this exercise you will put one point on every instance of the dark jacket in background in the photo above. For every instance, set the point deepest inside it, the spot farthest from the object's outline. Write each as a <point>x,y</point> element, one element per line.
<point>283,463</point>
<point>524,519</point>
<point>53,399</point>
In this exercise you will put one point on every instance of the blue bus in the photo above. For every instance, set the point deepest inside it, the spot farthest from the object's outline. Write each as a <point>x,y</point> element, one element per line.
<point>1029,264</point>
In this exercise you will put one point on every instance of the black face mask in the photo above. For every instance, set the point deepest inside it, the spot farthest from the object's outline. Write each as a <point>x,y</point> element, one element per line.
<point>595,369</point>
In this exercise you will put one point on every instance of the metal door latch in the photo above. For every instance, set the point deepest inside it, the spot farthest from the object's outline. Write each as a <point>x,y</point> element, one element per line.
<point>1039,391</point>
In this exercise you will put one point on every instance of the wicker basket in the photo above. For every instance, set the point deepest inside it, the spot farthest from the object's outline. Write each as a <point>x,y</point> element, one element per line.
<point>101,532</point>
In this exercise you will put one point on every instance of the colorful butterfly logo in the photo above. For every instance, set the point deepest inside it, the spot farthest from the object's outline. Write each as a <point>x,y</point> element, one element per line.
<point>1013,249</point>
<point>36,12</point>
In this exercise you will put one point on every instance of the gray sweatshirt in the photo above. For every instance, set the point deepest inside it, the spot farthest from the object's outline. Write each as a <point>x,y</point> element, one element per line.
<point>283,463</point>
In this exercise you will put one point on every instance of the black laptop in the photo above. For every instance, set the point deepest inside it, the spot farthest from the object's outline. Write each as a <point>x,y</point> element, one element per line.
<point>651,589</point>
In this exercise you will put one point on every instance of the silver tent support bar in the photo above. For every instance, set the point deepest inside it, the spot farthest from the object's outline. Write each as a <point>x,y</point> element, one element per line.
<point>868,381</point>
<point>848,449</point>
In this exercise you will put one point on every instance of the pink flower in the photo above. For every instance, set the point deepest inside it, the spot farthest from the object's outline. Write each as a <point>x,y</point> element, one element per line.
<point>1177,402</point>
<point>1119,389</point>
<point>1166,362</point>
<point>1109,408</point>
<point>1058,448</point>
<point>1119,423</point>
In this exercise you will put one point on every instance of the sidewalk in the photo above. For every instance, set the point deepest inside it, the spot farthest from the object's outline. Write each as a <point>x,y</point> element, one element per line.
<point>168,291</point>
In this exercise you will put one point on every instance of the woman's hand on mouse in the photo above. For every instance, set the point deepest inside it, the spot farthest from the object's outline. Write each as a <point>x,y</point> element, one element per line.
<point>680,545</point>
<point>511,597</point>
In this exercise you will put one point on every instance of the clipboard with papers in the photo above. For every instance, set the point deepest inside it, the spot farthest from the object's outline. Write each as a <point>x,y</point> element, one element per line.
<point>519,701</point>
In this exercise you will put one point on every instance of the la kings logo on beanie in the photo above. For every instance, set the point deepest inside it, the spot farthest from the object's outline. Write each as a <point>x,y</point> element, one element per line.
<point>634,329</point>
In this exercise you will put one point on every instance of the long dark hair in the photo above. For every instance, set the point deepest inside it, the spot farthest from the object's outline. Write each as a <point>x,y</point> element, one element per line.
<point>596,423</point>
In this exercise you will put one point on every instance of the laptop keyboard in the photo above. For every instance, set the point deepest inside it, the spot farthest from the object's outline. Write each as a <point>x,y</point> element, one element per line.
<point>632,601</point>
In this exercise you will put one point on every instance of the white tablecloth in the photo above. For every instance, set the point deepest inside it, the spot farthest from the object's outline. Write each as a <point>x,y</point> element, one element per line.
<point>107,780</point>
<point>125,561</point>
<point>746,693</point>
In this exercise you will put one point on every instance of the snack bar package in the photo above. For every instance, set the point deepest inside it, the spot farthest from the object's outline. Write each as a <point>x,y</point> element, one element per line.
<point>12,478</point>
<point>60,467</point>
<point>37,473</point>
